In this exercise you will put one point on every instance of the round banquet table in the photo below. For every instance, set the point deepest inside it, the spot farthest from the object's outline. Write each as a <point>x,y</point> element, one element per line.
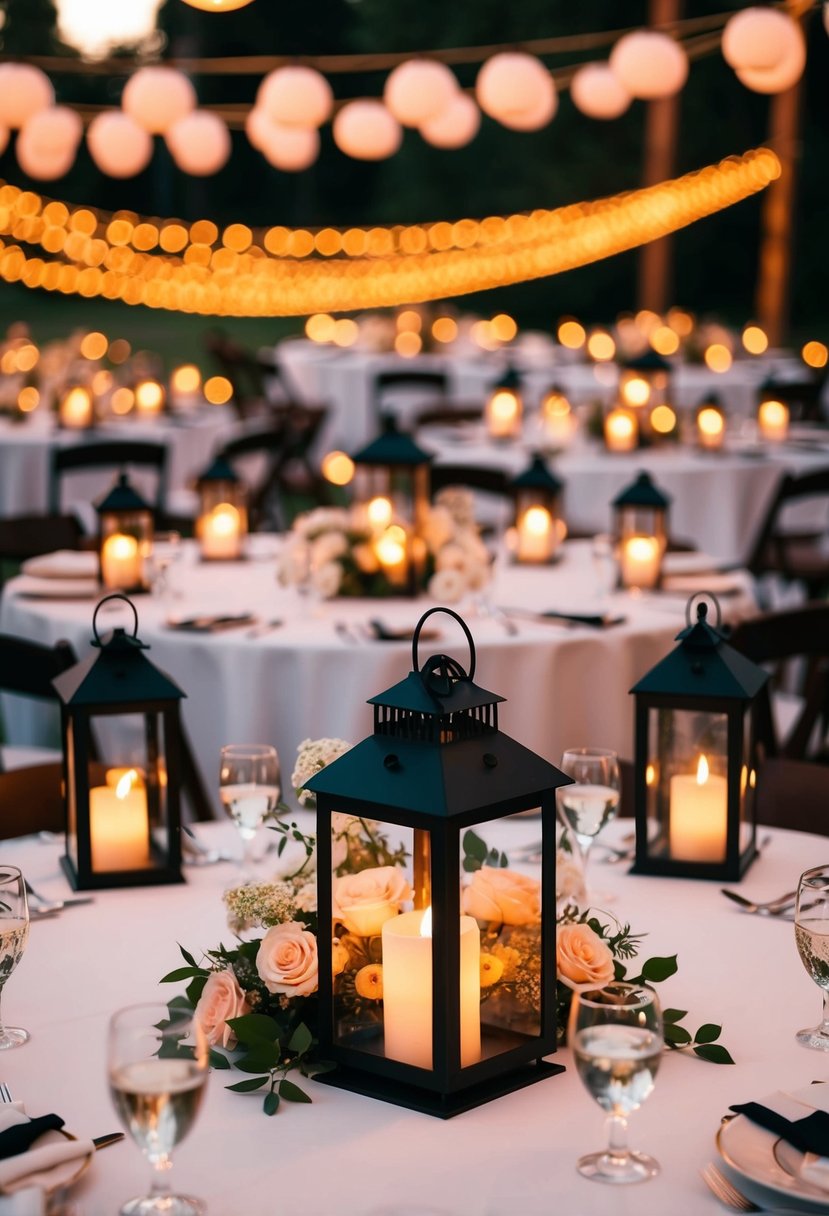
<point>311,676</point>
<point>353,1156</point>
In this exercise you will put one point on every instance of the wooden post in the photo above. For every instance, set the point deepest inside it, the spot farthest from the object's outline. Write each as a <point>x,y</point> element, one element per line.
<point>772,299</point>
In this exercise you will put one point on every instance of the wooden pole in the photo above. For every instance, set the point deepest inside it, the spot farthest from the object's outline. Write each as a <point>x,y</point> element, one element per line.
<point>661,130</point>
<point>773,296</point>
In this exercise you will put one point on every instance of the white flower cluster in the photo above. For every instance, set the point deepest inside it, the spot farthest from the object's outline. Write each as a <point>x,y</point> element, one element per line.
<point>313,755</point>
<point>461,557</point>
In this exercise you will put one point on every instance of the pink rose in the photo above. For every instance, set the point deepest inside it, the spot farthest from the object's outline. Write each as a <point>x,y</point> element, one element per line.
<point>221,999</point>
<point>287,960</point>
<point>503,897</point>
<point>582,958</point>
<point>364,902</point>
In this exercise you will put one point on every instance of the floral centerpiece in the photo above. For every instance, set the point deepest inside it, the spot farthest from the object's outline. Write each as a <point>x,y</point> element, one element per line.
<point>335,551</point>
<point>257,998</point>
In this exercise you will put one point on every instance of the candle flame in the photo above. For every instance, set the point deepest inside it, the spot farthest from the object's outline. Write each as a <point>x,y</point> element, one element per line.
<point>225,520</point>
<point>379,512</point>
<point>642,548</point>
<point>119,545</point>
<point>426,923</point>
<point>504,405</point>
<point>702,771</point>
<point>650,775</point>
<point>636,391</point>
<point>126,783</point>
<point>537,521</point>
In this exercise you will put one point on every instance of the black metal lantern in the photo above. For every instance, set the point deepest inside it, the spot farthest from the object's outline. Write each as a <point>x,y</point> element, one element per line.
<point>556,422</point>
<point>437,772</point>
<point>773,411</point>
<point>125,538</point>
<point>391,486</point>
<point>123,824</point>
<point>644,381</point>
<point>695,757</point>
<point>504,407</point>
<point>76,408</point>
<point>539,527</point>
<point>710,423</point>
<point>641,528</point>
<point>222,522</point>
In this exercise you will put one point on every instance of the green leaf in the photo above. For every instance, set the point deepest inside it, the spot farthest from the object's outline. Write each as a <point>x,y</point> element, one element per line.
<point>504,862</point>
<point>182,973</point>
<point>254,1028</point>
<point>217,1060</point>
<point>596,926</point>
<point>471,864</point>
<point>708,1033</point>
<point>247,1087</point>
<point>675,1034</point>
<point>292,1093</point>
<point>179,1002</point>
<point>715,1052</point>
<point>195,989</point>
<point>261,1058</point>
<point>280,849</point>
<point>271,1104</point>
<point>674,1015</point>
<point>187,956</point>
<point>658,969</point>
<point>619,970</point>
<point>301,1040</point>
<point>473,846</point>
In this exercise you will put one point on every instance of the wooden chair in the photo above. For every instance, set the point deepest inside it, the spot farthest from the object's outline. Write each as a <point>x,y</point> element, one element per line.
<point>446,413</point>
<point>803,397</point>
<point>793,794</point>
<point>475,477</point>
<point>113,455</point>
<point>25,536</point>
<point>795,556</point>
<point>31,800</point>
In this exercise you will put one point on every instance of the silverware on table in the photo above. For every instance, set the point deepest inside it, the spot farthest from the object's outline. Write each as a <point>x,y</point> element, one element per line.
<point>771,907</point>
<point>259,631</point>
<point>5,1093</point>
<point>109,1138</point>
<point>591,620</point>
<point>46,906</point>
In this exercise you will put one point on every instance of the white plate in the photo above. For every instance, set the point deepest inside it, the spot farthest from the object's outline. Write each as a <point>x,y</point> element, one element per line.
<point>718,584</point>
<point>56,588</point>
<point>65,563</point>
<point>688,563</point>
<point>767,1161</point>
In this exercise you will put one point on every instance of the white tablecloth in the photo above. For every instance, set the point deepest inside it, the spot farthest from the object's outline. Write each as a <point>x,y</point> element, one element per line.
<point>353,1156</point>
<point>312,676</point>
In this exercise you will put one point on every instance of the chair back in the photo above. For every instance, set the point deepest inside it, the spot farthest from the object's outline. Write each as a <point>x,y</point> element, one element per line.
<point>409,383</point>
<point>31,800</point>
<point>795,553</point>
<point>114,455</point>
<point>25,536</point>
<point>793,794</point>
<point>475,477</point>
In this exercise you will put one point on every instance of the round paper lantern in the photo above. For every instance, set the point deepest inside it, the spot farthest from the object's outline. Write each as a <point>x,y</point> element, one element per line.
<point>199,143</point>
<point>157,98</point>
<point>535,118</point>
<point>291,149</point>
<point>649,65</point>
<point>783,75</point>
<point>598,92</point>
<point>54,131</point>
<point>218,6</point>
<point>365,130</point>
<point>758,38</point>
<point>456,126</point>
<point>24,90</point>
<point>296,96</point>
<point>418,90</point>
<point>43,165</point>
<point>257,126</point>
<point>513,83</point>
<point>118,146</point>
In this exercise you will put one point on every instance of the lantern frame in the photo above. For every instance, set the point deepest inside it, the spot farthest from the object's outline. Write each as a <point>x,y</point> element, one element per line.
<point>120,680</point>
<point>655,371</point>
<point>124,513</point>
<point>505,431</point>
<point>437,764</point>
<point>220,486</point>
<point>708,443</point>
<point>702,675</point>
<point>537,488</point>
<point>65,423</point>
<point>641,511</point>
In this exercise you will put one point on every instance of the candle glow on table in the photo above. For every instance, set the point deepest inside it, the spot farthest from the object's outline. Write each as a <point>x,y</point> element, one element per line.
<point>537,536</point>
<point>391,553</point>
<point>640,561</point>
<point>221,532</point>
<point>149,397</point>
<point>75,408</point>
<point>503,414</point>
<point>636,391</point>
<point>557,420</point>
<point>407,989</point>
<point>119,823</point>
<point>121,565</point>
<point>620,431</point>
<point>698,815</point>
<point>710,428</point>
<point>773,420</point>
<point>379,512</point>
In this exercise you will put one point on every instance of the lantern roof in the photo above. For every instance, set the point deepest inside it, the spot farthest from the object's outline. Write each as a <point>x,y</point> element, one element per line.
<point>649,361</point>
<point>710,401</point>
<point>704,665</point>
<point>642,492</point>
<point>510,379</point>
<point>537,476</point>
<point>392,447</point>
<point>122,497</point>
<point>440,687</point>
<point>219,470</point>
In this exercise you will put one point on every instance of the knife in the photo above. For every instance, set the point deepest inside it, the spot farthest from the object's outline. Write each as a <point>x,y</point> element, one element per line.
<point>593,620</point>
<point>105,1141</point>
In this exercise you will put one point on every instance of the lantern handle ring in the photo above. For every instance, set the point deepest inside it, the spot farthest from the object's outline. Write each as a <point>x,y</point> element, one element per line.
<point>117,595</point>
<point>701,598</point>
<point>464,627</point>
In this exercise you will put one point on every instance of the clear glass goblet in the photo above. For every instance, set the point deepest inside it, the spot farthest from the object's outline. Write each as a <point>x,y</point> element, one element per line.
<point>811,931</point>
<point>616,1037</point>
<point>249,788</point>
<point>158,1066</point>
<point>589,804</point>
<point>14,933</point>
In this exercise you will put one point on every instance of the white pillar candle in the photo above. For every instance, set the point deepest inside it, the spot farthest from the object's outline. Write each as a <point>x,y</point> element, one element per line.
<point>621,431</point>
<point>391,552</point>
<point>75,409</point>
<point>503,414</point>
<point>149,397</point>
<point>773,421</point>
<point>221,532</point>
<point>121,566</point>
<point>407,990</point>
<point>536,535</point>
<point>698,815</point>
<point>640,560</point>
<point>119,826</point>
<point>710,428</point>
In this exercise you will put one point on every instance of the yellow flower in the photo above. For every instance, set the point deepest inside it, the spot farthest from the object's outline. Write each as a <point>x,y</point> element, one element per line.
<point>339,957</point>
<point>369,982</point>
<point>509,958</point>
<point>491,970</point>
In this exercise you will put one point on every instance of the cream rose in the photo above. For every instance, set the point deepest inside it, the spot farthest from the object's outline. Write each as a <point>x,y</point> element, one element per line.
<point>221,999</point>
<point>583,960</point>
<point>287,960</point>
<point>364,902</point>
<point>503,897</point>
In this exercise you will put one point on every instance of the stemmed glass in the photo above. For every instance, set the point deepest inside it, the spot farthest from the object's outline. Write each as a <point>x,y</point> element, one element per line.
<point>811,931</point>
<point>158,1066</point>
<point>585,807</point>
<point>616,1037</point>
<point>249,788</point>
<point>14,933</point>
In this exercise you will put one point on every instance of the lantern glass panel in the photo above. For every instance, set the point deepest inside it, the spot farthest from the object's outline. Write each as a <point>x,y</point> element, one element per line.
<point>687,784</point>
<point>126,545</point>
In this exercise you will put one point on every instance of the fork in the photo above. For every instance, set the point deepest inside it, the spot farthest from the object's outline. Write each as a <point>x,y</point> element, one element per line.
<point>54,905</point>
<point>5,1093</point>
<point>728,1194</point>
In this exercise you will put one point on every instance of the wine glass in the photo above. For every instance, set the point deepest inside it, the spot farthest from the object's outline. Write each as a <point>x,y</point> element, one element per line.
<point>616,1037</point>
<point>158,1065</point>
<point>249,788</point>
<point>590,803</point>
<point>14,933</point>
<point>811,931</point>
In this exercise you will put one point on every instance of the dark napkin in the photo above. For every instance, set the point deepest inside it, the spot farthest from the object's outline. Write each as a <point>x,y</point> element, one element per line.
<point>21,1137</point>
<point>808,1135</point>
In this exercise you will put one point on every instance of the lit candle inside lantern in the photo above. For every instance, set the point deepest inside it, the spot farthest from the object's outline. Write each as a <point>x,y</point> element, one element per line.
<point>773,420</point>
<point>698,815</point>
<point>620,431</point>
<point>149,397</point>
<point>121,566</point>
<point>557,417</point>
<point>390,550</point>
<point>379,512</point>
<point>537,536</point>
<point>407,989</point>
<point>636,391</point>
<point>221,532</point>
<point>185,385</point>
<point>640,561</point>
<point>710,428</point>
<point>119,824</point>
<point>503,414</point>
<point>75,409</point>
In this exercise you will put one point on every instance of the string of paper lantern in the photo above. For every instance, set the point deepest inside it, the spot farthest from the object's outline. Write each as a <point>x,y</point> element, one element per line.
<point>295,272</point>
